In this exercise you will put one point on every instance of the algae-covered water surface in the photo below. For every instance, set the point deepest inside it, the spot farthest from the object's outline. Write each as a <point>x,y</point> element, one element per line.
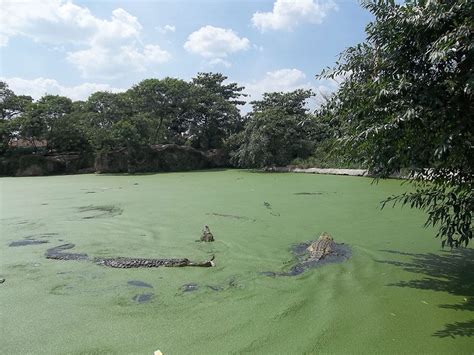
<point>398,293</point>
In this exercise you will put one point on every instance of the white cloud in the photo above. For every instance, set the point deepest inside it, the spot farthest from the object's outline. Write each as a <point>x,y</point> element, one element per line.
<point>215,42</point>
<point>166,28</point>
<point>287,14</point>
<point>220,61</point>
<point>283,80</point>
<point>38,87</point>
<point>103,62</point>
<point>286,80</point>
<point>58,21</point>
<point>108,43</point>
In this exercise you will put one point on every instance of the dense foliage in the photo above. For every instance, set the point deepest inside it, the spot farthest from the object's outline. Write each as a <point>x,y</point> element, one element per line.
<point>407,102</point>
<point>201,113</point>
<point>277,131</point>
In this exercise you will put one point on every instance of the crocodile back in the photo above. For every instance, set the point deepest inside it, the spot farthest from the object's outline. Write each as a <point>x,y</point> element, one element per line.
<point>322,247</point>
<point>126,263</point>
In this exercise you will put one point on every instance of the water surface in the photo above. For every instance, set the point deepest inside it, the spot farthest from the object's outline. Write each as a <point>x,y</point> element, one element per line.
<point>398,293</point>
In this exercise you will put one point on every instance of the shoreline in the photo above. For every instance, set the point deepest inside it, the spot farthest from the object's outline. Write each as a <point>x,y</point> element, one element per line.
<point>325,171</point>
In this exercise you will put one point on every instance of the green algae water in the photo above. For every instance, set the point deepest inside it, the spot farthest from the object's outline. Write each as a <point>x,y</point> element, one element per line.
<point>398,293</point>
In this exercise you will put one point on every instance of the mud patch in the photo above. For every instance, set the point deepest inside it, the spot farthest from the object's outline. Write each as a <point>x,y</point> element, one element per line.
<point>105,211</point>
<point>189,287</point>
<point>143,297</point>
<point>58,253</point>
<point>138,283</point>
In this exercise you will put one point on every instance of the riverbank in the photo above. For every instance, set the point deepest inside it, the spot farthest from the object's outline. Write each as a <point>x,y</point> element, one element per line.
<point>331,171</point>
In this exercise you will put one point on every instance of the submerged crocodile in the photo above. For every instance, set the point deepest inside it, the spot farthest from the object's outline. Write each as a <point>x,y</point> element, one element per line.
<point>58,253</point>
<point>315,253</point>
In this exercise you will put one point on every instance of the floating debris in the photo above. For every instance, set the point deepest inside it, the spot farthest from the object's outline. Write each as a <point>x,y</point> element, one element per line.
<point>190,287</point>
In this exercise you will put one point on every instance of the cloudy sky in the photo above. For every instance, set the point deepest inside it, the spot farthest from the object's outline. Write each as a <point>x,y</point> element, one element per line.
<point>74,48</point>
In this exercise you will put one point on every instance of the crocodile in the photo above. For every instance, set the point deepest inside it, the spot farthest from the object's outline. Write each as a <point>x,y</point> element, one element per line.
<point>127,263</point>
<point>58,253</point>
<point>315,253</point>
<point>321,248</point>
<point>207,235</point>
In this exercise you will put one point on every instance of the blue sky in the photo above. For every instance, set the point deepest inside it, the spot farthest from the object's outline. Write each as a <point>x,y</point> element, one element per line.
<point>74,48</point>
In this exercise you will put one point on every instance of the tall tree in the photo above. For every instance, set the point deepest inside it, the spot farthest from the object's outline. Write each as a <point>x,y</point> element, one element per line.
<point>100,113</point>
<point>407,102</point>
<point>12,107</point>
<point>278,130</point>
<point>164,101</point>
<point>215,113</point>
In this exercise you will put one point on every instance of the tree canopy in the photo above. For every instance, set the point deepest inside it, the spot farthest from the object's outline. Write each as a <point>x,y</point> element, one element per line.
<point>278,130</point>
<point>407,102</point>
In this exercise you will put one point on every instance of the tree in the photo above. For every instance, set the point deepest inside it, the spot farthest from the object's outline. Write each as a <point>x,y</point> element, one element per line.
<point>12,106</point>
<point>100,113</point>
<point>214,114</point>
<point>407,102</point>
<point>165,103</point>
<point>278,130</point>
<point>214,82</point>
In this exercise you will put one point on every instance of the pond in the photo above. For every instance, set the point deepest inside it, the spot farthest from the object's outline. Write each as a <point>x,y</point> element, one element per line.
<point>397,293</point>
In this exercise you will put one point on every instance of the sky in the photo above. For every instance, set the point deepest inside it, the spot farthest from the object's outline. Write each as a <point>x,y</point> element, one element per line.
<point>74,48</point>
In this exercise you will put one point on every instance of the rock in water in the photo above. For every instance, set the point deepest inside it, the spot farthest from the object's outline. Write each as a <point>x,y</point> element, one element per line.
<point>207,235</point>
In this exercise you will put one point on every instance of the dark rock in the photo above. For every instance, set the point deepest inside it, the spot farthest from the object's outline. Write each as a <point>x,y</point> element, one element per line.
<point>163,157</point>
<point>45,164</point>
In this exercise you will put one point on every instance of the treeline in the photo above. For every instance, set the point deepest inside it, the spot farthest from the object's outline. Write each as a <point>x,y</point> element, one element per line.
<point>202,113</point>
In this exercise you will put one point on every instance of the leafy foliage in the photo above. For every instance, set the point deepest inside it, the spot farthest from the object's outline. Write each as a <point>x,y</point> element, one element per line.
<point>407,102</point>
<point>278,130</point>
